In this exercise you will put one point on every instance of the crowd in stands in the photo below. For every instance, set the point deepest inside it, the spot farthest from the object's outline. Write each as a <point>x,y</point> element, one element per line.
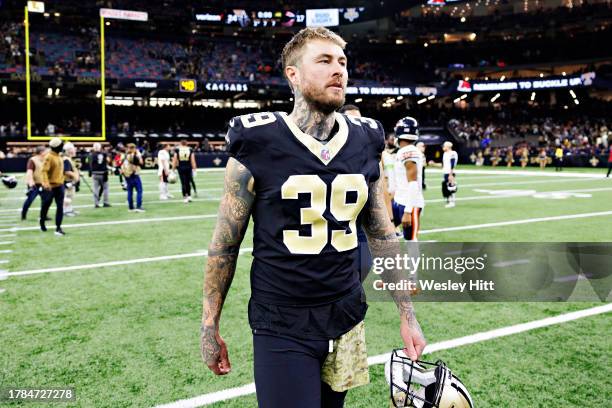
<point>74,51</point>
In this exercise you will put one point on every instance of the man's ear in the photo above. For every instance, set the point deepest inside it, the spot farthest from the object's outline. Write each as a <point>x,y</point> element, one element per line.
<point>292,74</point>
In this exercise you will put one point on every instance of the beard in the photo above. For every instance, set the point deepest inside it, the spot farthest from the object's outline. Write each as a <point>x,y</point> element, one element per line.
<point>320,101</point>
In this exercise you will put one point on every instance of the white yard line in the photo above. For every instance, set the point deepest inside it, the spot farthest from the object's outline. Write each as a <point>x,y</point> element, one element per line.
<point>119,204</point>
<point>7,242</point>
<point>520,193</point>
<point>201,253</point>
<point>529,173</point>
<point>520,183</point>
<point>103,223</point>
<point>515,222</point>
<point>249,389</point>
<point>6,251</point>
<point>82,196</point>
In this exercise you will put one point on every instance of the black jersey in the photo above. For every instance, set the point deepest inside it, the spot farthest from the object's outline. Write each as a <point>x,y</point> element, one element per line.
<point>183,154</point>
<point>309,199</point>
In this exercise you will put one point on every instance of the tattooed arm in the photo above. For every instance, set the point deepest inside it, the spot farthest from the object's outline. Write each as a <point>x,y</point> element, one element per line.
<point>232,220</point>
<point>383,243</point>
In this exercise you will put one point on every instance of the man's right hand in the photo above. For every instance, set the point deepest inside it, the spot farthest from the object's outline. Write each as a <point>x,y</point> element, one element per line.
<point>214,351</point>
<point>46,186</point>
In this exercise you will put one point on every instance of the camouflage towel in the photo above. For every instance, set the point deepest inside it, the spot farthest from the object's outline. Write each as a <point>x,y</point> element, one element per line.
<point>347,366</point>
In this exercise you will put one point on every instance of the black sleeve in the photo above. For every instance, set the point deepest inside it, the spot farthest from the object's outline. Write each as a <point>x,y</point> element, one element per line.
<point>236,143</point>
<point>67,165</point>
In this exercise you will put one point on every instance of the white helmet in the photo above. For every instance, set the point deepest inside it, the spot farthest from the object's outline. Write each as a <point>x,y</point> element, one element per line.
<point>172,177</point>
<point>411,384</point>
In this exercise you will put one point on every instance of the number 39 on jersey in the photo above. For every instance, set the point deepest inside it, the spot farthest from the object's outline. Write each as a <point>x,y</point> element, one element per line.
<point>338,205</point>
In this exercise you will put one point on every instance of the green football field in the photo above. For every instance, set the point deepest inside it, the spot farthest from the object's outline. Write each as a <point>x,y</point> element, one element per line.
<point>113,308</point>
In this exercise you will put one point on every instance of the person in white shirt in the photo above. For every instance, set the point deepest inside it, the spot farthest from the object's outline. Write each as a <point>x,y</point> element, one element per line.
<point>163,170</point>
<point>408,202</point>
<point>449,163</point>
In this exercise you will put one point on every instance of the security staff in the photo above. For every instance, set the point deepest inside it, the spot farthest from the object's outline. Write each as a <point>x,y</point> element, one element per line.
<point>53,185</point>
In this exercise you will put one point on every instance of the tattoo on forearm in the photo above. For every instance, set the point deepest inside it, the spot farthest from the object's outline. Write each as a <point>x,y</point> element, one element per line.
<point>232,222</point>
<point>384,243</point>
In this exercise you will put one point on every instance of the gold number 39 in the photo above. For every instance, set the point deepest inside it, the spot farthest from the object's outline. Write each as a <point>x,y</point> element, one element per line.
<point>313,215</point>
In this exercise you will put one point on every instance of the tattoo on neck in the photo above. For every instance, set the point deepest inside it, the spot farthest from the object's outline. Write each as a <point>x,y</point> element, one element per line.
<point>310,121</point>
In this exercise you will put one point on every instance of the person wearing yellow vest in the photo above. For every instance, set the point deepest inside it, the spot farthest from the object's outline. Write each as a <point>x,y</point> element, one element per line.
<point>53,185</point>
<point>33,179</point>
<point>131,169</point>
<point>558,158</point>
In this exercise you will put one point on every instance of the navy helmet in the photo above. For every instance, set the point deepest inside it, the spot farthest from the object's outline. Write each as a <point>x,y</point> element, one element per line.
<point>407,129</point>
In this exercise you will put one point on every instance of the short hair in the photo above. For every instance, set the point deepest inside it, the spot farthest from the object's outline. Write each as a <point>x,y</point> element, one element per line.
<point>293,49</point>
<point>348,108</point>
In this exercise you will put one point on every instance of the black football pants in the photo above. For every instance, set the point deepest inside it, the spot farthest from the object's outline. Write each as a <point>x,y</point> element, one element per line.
<point>57,194</point>
<point>185,176</point>
<point>288,373</point>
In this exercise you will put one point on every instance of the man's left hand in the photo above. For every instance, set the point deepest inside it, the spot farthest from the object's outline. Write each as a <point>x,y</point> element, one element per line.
<point>414,341</point>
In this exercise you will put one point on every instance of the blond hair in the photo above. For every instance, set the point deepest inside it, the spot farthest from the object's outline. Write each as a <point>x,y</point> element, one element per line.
<point>293,49</point>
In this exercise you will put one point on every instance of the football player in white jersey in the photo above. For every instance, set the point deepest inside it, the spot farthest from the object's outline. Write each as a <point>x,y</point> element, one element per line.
<point>449,163</point>
<point>408,201</point>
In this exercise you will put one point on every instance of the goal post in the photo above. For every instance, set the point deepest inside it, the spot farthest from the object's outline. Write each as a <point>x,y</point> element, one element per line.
<point>104,13</point>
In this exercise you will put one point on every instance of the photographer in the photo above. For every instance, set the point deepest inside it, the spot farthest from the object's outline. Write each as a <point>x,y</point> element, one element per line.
<point>33,179</point>
<point>98,167</point>
<point>131,169</point>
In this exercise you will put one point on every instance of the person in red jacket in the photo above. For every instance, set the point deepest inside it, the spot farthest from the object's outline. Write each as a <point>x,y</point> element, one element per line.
<point>609,162</point>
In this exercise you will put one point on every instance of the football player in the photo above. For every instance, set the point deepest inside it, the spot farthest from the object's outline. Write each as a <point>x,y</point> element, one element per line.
<point>308,179</point>
<point>184,160</point>
<point>408,201</point>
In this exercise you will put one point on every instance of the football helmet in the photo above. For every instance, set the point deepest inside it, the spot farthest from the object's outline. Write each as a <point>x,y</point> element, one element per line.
<point>172,177</point>
<point>9,181</point>
<point>407,129</point>
<point>422,384</point>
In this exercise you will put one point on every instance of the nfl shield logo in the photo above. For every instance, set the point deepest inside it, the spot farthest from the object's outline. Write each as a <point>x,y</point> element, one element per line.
<point>325,154</point>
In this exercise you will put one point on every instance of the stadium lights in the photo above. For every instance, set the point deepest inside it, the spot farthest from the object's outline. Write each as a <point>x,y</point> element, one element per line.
<point>457,100</point>
<point>564,73</point>
<point>108,23</point>
<point>496,97</point>
<point>49,92</point>
<point>576,101</point>
<point>57,91</point>
<point>430,97</point>
<point>399,41</point>
<point>463,96</point>
<point>532,96</point>
<point>399,98</point>
<point>46,15</point>
<point>4,90</point>
<point>98,93</point>
<point>467,78</point>
<point>463,19</point>
<point>420,101</point>
<point>541,75</point>
<point>502,78</point>
<point>571,91</point>
<point>56,14</point>
<point>358,100</point>
<point>426,45</point>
